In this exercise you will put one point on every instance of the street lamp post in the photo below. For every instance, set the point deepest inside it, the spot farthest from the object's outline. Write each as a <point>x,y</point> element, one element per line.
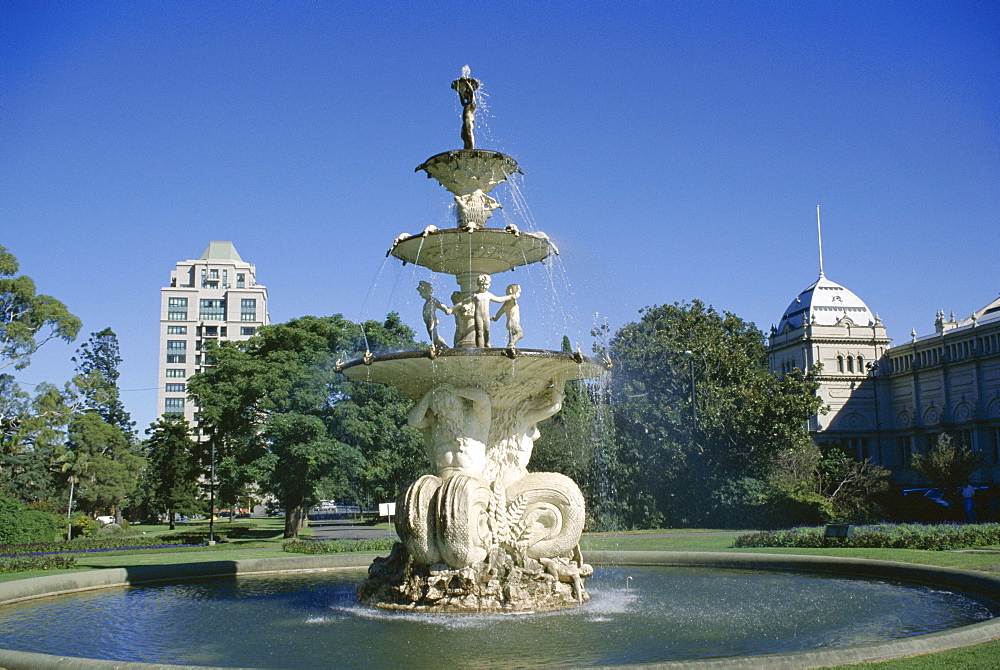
<point>211,500</point>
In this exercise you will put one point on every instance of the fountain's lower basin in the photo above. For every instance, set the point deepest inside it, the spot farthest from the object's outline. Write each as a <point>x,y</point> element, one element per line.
<point>658,615</point>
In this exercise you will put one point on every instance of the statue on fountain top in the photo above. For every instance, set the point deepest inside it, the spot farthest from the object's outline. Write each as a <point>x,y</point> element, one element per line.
<point>466,87</point>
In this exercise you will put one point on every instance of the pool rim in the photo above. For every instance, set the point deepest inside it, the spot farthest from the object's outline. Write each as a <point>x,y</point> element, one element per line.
<point>981,584</point>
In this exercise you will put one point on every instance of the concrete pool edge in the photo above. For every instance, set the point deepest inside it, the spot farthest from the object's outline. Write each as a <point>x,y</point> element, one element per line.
<point>977,583</point>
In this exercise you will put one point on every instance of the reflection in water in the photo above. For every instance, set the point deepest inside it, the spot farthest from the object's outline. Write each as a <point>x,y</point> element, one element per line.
<point>314,620</point>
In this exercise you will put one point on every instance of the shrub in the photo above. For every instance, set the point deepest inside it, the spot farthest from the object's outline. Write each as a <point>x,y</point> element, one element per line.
<point>19,524</point>
<point>942,537</point>
<point>84,526</point>
<point>110,530</point>
<point>338,546</point>
<point>36,563</point>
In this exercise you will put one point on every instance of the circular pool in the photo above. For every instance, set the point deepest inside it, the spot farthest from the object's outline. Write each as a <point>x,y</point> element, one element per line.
<point>697,609</point>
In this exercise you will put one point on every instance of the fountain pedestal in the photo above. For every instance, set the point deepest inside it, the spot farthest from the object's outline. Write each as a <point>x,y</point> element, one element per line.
<point>481,533</point>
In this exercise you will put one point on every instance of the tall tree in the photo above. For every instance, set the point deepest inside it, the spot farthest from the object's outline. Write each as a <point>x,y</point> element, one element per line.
<point>99,358</point>
<point>172,471</point>
<point>106,469</point>
<point>289,369</point>
<point>695,407</point>
<point>28,320</point>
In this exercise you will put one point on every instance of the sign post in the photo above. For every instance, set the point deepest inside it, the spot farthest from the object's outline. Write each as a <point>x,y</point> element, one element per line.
<point>387,509</point>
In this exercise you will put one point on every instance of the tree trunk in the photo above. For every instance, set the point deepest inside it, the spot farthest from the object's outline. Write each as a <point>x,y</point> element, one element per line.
<point>69,510</point>
<point>170,516</point>
<point>293,520</point>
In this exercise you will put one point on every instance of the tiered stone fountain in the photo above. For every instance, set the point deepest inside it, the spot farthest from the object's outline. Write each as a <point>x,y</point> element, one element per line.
<point>481,533</point>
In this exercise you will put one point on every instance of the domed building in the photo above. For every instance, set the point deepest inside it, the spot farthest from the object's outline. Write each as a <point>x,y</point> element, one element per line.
<point>829,324</point>
<point>886,404</point>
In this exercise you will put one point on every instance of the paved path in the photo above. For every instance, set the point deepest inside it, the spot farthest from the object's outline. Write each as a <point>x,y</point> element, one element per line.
<point>346,529</point>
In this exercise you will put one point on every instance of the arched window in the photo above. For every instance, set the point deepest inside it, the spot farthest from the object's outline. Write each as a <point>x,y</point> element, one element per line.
<point>850,364</point>
<point>840,363</point>
<point>861,363</point>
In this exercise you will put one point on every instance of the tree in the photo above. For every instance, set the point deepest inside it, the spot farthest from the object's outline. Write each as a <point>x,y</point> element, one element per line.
<point>289,369</point>
<point>32,432</point>
<point>172,470</point>
<point>300,455</point>
<point>28,320</point>
<point>99,358</point>
<point>687,423</point>
<point>106,470</point>
<point>948,466</point>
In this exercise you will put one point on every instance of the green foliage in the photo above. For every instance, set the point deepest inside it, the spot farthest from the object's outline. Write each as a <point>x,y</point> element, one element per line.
<point>101,461</point>
<point>747,418</point>
<point>20,524</point>
<point>282,417</point>
<point>947,466</point>
<point>943,537</point>
<point>99,358</point>
<point>338,546</point>
<point>8,565</point>
<point>171,477</point>
<point>28,320</point>
<point>85,526</point>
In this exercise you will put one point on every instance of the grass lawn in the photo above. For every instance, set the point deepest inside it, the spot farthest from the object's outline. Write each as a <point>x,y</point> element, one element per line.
<point>264,541</point>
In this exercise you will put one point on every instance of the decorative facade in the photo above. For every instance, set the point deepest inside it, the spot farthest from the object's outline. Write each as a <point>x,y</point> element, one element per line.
<point>888,403</point>
<point>215,297</point>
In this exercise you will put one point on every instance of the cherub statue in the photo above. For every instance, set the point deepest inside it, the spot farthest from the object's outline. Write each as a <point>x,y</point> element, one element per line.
<point>513,312</point>
<point>431,305</point>
<point>481,299</point>
<point>464,312</point>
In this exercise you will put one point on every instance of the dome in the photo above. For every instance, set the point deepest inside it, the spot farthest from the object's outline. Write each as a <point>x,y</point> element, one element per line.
<point>826,303</point>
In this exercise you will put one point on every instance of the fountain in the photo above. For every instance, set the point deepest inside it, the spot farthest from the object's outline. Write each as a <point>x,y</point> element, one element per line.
<point>481,534</point>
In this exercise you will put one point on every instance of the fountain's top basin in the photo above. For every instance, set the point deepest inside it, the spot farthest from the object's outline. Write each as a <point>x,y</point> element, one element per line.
<point>484,250</point>
<point>464,171</point>
<point>503,373</point>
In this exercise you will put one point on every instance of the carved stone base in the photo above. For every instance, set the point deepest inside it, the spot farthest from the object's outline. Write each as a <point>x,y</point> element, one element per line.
<point>494,585</point>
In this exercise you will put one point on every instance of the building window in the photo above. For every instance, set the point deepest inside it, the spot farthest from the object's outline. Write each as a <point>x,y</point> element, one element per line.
<point>211,331</point>
<point>225,279</point>
<point>176,351</point>
<point>241,280</point>
<point>177,330</point>
<point>177,309</point>
<point>248,309</point>
<point>213,274</point>
<point>850,364</point>
<point>175,373</point>
<point>213,310</point>
<point>173,406</point>
<point>247,330</point>
<point>840,363</point>
<point>174,388</point>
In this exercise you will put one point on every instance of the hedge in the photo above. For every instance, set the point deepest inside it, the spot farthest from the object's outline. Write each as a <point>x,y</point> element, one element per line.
<point>940,537</point>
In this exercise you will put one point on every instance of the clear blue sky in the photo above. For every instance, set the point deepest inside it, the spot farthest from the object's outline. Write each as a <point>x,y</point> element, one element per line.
<point>673,150</point>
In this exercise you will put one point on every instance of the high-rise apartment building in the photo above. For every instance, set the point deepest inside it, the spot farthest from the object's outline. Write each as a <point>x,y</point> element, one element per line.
<point>215,297</point>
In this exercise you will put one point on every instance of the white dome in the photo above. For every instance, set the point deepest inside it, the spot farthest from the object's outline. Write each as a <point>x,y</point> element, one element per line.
<point>826,303</point>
